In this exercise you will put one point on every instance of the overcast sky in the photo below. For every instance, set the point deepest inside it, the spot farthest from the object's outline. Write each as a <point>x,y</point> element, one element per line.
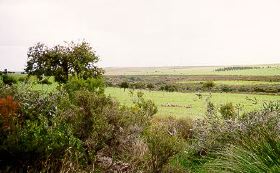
<point>146,32</point>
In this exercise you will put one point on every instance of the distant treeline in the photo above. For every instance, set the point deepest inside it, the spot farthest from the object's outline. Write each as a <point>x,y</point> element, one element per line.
<point>5,71</point>
<point>235,68</point>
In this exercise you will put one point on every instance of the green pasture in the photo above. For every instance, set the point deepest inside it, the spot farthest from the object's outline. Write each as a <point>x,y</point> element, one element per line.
<point>188,104</point>
<point>234,82</point>
<point>44,87</point>
<point>204,70</point>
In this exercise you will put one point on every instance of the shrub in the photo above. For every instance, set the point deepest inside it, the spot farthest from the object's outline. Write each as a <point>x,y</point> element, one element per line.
<point>139,85</point>
<point>169,88</point>
<point>34,143</point>
<point>228,111</point>
<point>226,88</point>
<point>182,127</point>
<point>258,89</point>
<point>91,84</point>
<point>271,106</point>
<point>110,133</point>
<point>148,106</point>
<point>9,80</point>
<point>211,109</point>
<point>124,85</point>
<point>150,86</point>
<point>212,135</point>
<point>35,135</point>
<point>208,84</point>
<point>162,147</point>
<point>56,132</point>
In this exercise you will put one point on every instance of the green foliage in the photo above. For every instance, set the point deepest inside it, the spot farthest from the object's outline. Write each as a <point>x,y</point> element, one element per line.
<point>45,81</point>
<point>124,85</point>
<point>208,84</point>
<point>145,105</point>
<point>138,85</point>
<point>213,135</point>
<point>255,154</point>
<point>8,79</point>
<point>169,88</point>
<point>225,88</point>
<point>228,111</point>
<point>74,59</point>
<point>271,106</point>
<point>37,134</point>
<point>188,105</point>
<point>79,129</point>
<point>22,79</point>
<point>52,132</point>
<point>211,109</point>
<point>91,84</point>
<point>150,86</point>
<point>162,145</point>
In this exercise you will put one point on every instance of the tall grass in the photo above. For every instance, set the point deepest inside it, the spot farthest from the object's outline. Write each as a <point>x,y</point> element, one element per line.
<point>254,154</point>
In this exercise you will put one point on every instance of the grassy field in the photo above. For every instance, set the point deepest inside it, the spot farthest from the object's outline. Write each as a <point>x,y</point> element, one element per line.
<point>203,70</point>
<point>237,82</point>
<point>188,104</point>
<point>44,87</point>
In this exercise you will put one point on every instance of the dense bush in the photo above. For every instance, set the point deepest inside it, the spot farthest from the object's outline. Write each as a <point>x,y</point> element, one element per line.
<point>34,134</point>
<point>208,84</point>
<point>8,79</point>
<point>169,88</point>
<point>139,85</point>
<point>163,145</point>
<point>91,84</point>
<point>227,111</point>
<point>124,85</point>
<point>87,131</point>
<point>150,86</point>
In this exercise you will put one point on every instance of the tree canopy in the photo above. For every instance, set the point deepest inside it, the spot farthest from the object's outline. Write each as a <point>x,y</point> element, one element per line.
<point>62,61</point>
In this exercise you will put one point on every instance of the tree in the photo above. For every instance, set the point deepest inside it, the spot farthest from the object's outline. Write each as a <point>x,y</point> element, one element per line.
<point>124,85</point>
<point>62,61</point>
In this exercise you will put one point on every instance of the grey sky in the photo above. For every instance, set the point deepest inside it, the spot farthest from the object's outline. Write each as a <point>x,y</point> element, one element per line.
<point>146,32</point>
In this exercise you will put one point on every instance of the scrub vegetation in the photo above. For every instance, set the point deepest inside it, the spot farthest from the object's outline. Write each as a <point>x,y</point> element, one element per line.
<point>65,115</point>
